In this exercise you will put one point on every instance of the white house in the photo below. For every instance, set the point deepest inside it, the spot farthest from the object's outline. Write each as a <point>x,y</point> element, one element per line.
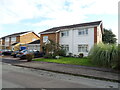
<point>77,38</point>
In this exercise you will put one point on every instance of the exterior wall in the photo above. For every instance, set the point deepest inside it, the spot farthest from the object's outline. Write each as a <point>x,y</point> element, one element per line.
<point>2,44</point>
<point>27,38</point>
<point>51,36</point>
<point>95,35</point>
<point>7,43</point>
<point>73,40</point>
<point>99,35</point>
<point>18,39</point>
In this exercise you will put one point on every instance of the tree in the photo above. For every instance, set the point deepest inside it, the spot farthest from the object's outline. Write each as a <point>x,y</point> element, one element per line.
<point>53,49</point>
<point>108,37</point>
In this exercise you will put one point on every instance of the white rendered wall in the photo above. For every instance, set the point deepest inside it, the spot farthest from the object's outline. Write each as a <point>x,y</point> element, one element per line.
<point>73,40</point>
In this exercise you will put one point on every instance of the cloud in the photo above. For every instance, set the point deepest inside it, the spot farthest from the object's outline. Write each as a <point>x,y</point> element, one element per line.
<point>59,12</point>
<point>13,11</point>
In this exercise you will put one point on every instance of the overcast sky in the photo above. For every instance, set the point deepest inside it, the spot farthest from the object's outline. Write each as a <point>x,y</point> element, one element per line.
<point>39,15</point>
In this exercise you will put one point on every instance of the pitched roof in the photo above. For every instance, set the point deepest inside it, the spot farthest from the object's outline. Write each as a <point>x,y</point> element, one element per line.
<point>15,43</point>
<point>54,29</point>
<point>35,42</point>
<point>16,34</point>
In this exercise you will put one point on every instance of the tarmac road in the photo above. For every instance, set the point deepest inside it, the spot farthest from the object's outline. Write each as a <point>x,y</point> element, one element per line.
<point>18,77</point>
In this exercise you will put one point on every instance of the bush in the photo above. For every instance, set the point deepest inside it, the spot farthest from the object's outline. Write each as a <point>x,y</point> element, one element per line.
<point>29,57</point>
<point>60,52</point>
<point>81,55</point>
<point>49,56</point>
<point>105,55</point>
<point>70,54</point>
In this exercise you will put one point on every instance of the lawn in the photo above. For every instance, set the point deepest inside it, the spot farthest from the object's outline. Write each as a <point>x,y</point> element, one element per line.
<point>69,60</point>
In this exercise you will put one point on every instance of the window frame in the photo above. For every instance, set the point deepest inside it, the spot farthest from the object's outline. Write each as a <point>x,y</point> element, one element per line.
<point>7,39</point>
<point>65,47</point>
<point>45,39</point>
<point>65,33</point>
<point>83,48</point>
<point>13,38</point>
<point>83,32</point>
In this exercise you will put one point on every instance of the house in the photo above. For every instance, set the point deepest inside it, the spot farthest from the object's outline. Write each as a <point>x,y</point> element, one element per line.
<point>75,39</point>
<point>18,41</point>
<point>35,45</point>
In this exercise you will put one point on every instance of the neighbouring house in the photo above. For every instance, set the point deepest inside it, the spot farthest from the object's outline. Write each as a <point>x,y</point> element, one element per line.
<point>75,39</point>
<point>35,45</point>
<point>18,41</point>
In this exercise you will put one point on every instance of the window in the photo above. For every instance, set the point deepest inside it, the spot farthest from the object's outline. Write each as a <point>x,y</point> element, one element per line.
<point>83,32</point>
<point>83,48</point>
<point>64,33</point>
<point>65,47</point>
<point>6,39</point>
<point>13,38</point>
<point>45,38</point>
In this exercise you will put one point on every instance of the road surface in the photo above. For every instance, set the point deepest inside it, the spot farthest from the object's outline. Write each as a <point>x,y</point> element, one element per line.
<point>19,77</point>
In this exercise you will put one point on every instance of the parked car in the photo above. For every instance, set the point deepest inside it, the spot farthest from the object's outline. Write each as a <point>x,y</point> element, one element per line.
<point>0,52</point>
<point>7,52</point>
<point>22,54</point>
<point>15,53</point>
<point>38,54</point>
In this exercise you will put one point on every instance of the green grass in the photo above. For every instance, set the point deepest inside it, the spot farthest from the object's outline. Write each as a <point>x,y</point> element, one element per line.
<point>69,60</point>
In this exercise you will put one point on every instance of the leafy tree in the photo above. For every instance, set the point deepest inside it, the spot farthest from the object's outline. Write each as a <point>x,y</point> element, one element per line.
<point>52,49</point>
<point>109,37</point>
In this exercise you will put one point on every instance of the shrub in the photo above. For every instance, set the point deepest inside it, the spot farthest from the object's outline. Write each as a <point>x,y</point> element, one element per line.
<point>104,55</point>
<point>60,52</point>
<point>81,55</point>
<point>70,54</point>
<point>29,57</point>
<point>49,56</point>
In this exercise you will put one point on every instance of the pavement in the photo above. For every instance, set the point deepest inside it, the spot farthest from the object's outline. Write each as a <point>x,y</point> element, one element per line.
<point>19,77</point>
<point>90,72</point>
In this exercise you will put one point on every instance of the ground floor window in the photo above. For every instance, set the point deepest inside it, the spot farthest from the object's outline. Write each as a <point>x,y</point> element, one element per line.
<point>83,48</point>
<point>65,47</point>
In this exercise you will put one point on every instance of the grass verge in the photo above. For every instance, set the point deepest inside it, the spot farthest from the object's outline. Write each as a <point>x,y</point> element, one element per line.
<point>69,60</point>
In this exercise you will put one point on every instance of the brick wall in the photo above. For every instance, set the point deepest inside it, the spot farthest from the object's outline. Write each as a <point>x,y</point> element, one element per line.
<point>51,36</point>
<point>95,35</point>
<point>27,38</point>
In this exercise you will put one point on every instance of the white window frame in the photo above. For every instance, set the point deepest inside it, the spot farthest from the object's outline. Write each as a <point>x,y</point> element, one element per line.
<point>7,39</point>
<point>64,33</point>
<point>83,31</point>
<point>65,47</point>
<point>83,48</point>
<point>45,38</point>
<point>13,38</point>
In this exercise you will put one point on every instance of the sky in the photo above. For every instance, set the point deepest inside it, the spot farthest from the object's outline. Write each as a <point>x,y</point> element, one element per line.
<point>39,15</point>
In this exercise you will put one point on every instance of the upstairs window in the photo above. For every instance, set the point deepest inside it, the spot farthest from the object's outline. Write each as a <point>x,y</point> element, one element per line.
<point>64,33</point>
<point>83,48</point>
<point>45,38</point>
<point>83,32</point>
<point>6,39</point>
<point>13,38</point>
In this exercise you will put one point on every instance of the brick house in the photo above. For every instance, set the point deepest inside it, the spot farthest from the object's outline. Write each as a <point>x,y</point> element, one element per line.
<point>75,39</point>
<point>13,41</point>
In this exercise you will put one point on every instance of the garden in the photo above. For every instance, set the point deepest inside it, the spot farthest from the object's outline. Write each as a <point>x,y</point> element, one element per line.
<point>101,55</point>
